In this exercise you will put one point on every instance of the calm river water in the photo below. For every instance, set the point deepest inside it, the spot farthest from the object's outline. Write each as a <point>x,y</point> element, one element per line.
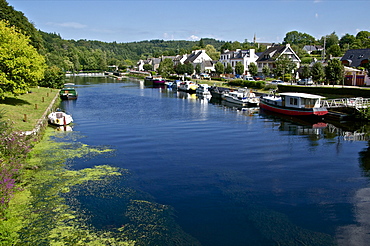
<point>231,177</point>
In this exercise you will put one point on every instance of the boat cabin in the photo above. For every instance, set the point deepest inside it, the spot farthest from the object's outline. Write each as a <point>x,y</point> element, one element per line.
<point>300,100</point>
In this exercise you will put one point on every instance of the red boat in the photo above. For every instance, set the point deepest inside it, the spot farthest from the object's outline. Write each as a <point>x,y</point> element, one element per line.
<point>294,103</point>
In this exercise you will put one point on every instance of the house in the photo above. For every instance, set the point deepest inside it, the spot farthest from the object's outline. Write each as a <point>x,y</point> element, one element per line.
<point>246,57</point>
<point>269,57</point>
<point>313,48</point>
<point>352,59</point>
<point>356,57</point>
<point>200,57</point>
<point>152,61</point>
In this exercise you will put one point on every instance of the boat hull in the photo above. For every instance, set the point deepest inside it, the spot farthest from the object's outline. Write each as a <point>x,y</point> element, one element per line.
<point>293,111</point>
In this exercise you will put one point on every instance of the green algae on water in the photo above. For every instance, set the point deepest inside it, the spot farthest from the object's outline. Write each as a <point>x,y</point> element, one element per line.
<point>55,203</point>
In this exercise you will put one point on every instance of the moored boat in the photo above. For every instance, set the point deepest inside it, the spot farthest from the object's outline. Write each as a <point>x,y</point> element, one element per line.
<point>203,89</point>
<point>188,86</point>
<point>242,97</point>
<point>59,118</point>
<point>293,103</point>
<point>217,92</point>
<point>155,80</point>
<point>68,92</point>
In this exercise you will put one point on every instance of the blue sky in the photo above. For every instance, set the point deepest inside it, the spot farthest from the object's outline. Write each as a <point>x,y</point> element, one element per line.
<point>136,20</point>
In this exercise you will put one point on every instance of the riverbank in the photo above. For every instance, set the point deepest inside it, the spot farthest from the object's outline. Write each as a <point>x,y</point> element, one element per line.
<point>27,112</point>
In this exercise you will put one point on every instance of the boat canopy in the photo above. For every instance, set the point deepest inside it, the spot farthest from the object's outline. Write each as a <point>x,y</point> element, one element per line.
<point>301,95</point>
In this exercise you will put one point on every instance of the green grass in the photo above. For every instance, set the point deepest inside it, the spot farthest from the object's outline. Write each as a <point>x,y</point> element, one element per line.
<point>25,110</point>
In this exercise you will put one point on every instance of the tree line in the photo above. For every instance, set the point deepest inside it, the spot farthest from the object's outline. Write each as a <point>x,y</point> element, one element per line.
<point>59,55</point>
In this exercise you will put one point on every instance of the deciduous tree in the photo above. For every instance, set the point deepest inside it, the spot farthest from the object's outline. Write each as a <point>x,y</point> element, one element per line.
<point>252,68</point>
<point>166,67</point>
<point>219,67</point>
<point>317,72</point>
<point>239,68</point>
<point>21,65</point>
<point>334,72</point>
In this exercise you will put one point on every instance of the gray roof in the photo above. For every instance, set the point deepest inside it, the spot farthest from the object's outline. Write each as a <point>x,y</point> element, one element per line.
<point>356,57</point>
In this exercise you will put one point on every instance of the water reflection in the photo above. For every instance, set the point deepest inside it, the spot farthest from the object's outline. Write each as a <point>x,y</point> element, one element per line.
<point>235,176</point>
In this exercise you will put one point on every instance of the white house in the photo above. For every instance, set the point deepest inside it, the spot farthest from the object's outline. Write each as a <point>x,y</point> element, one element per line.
<point>246,57</point>
<point>200,57</point>
<point>269,57</point>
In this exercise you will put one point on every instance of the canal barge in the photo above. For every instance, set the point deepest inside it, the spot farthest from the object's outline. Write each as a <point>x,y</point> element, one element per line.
<point>68,92</point>
<point>293,103</point>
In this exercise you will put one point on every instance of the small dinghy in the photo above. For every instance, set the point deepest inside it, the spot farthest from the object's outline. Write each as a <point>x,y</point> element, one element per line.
<point>59,118</point>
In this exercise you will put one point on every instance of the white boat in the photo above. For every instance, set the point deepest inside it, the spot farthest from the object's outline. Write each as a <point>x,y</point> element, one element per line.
<point>203,89</point>
<point>188,86</point>
<point>60,118</point>
<point>242,97</point>
<point>293,103</point>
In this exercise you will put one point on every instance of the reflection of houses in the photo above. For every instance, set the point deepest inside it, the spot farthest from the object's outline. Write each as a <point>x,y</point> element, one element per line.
<point>272,54</point>
<point>353,59</point>
<point>246,57</point>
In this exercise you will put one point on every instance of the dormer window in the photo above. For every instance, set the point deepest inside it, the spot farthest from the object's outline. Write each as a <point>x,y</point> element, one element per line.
<point>350,57</point>
<point>360,56</point>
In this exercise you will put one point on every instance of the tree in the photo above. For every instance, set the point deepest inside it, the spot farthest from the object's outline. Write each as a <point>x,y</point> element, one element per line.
<point>284,65</point>
<point>334,72</point>
<point>347,41</point>
<point>239,68</point>
<point>228,69</point>
<point>253,70</point>
<point>363,39</point>
<point>166,67</point>
<point>219,67</point>
<point>334,50</point>
<point>266,71</point>
<point>306,72</point>
<point>330,40</point>
<point>147,67</point>
<point>21,66</point>
<point>317,72</point>
<point>212,52</point>
<point>298,38</point>
<point>198,68</point>
<point>53,78</point>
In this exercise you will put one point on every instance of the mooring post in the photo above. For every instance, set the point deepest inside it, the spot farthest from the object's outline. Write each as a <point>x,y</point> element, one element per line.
<point>25,118</point>
<point>35,106</point>
<point>43,99</point>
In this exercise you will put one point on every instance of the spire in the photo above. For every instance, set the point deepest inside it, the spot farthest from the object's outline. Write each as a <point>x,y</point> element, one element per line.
<point>254,38</point>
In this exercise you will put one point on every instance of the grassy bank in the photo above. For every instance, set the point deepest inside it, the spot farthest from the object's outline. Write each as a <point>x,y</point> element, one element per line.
<point>25,110</point>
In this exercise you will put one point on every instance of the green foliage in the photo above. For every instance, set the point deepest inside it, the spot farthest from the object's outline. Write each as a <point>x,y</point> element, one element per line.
<point>229,69</point>
<point>284,65</point>
<point>239,68</point>
<point>21,65</point>
<point>334,72</point>
<point>54,78</point>
<point>306,72</point>
<point>17,19</point>
<point>266,71</point>
<point>147,67</point>
<point>219,67</point>
<point>318,72</point>
<point>166,67</point>
<point>252,68</point>
<point>247,83</point>
<point>298,38</point>
<point>187,68</point>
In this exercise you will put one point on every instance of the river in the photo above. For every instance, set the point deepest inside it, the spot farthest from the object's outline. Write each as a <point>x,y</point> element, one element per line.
<point>231,177</point>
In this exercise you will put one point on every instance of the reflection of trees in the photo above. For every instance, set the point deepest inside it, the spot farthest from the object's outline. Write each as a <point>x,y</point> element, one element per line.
<point>365,161</point>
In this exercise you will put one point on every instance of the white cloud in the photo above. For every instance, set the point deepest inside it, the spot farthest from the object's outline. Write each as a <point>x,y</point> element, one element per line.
<point>68,24</point>
<point>168,36</point>
<point>193,37</point>
<point>316,15</point>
